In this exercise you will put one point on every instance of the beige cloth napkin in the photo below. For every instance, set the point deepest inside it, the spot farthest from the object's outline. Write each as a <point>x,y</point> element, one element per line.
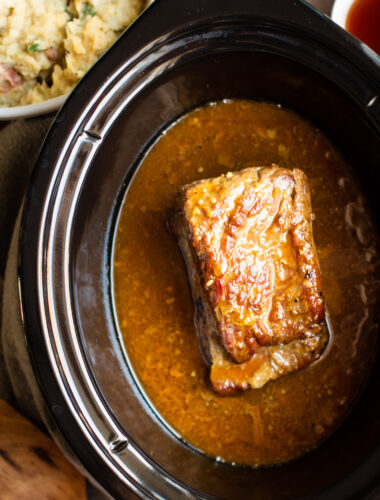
<point>20,142</point>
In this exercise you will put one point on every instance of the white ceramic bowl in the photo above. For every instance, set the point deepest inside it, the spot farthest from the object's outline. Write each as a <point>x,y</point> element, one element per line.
<point>40,108</point>
<point>340,11</point>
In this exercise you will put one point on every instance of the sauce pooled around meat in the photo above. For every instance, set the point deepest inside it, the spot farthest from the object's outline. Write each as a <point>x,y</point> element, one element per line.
<point>293,414</point>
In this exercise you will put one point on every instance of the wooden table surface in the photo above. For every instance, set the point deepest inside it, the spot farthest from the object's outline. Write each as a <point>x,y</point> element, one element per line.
<point>31,465</point>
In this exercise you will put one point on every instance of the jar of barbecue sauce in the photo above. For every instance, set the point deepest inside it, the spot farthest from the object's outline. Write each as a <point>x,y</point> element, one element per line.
<point>363,21</point>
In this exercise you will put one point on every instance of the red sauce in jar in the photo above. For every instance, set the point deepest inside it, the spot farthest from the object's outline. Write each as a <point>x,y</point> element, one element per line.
<point>363,21</point>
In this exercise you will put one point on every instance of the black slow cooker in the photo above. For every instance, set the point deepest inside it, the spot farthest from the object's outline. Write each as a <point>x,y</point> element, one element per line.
<point>176,56</point>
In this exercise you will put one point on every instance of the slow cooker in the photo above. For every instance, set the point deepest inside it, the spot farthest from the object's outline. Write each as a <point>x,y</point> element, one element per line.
<point>178,55</point>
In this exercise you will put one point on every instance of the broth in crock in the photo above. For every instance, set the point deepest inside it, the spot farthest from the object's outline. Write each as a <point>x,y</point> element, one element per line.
<point>289,416</point>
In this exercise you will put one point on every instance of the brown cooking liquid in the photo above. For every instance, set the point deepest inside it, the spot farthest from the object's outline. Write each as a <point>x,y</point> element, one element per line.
<point>363,21</point>
<point>292,415</point>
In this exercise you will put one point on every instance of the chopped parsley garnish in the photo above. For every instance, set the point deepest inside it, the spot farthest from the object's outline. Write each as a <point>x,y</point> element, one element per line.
<point>34,47</point>
<point>88,10</point>
<point>69,14</point>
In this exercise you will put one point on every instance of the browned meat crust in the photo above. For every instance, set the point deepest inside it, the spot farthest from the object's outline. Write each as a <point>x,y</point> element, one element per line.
<point>247,241</point>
